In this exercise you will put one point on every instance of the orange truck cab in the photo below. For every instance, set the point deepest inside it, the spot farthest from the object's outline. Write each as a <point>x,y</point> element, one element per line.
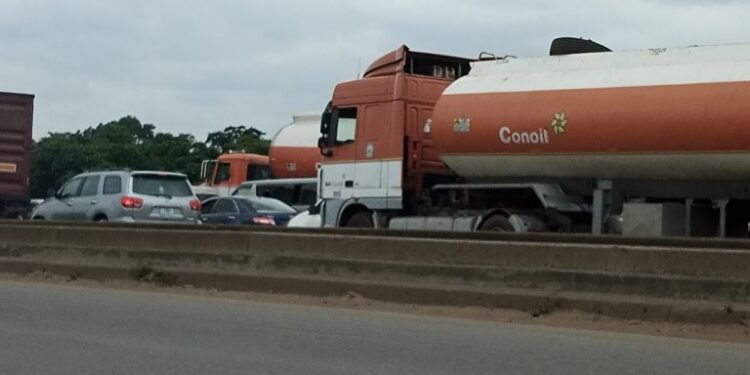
<point>230,170</point>
<point>377,149</point>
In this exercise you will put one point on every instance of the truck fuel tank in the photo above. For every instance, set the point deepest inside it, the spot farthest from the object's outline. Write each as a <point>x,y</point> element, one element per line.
<point>676,114</point>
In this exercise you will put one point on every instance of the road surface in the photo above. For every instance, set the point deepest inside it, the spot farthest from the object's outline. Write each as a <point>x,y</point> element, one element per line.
<point>49,329</point>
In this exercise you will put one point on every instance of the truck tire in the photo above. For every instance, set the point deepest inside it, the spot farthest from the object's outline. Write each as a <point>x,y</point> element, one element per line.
<point>362,219</point>
<point>496,223</point>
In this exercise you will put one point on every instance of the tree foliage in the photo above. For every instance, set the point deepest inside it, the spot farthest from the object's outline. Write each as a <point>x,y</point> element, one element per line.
<point>127,143</point>
<point>238,139</point>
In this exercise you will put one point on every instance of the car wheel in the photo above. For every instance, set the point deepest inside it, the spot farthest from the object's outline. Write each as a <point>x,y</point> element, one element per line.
<point>497,223</point>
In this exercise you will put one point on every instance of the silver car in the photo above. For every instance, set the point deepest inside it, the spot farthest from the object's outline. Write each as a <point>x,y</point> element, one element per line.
<point>300,193</point>
<point>123,196</point>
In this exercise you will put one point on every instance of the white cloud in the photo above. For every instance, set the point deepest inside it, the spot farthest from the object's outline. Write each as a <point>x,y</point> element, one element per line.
<point>195,66</point>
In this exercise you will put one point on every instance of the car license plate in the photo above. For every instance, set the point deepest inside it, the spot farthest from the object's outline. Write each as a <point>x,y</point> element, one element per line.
<point>166,212</point>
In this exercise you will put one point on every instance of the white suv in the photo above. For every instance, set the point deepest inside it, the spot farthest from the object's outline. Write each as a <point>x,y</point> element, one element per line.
<point>122,196</point>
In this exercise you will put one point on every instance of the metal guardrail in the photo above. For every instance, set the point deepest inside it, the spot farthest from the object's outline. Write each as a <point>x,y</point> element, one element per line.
<point>588,239</point>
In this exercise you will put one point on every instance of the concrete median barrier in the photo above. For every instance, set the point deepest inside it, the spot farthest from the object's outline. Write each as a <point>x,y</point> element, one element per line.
<point>668,242</point>
<point>415,269</point>
<point>724,263</point>
<point>534,302</point>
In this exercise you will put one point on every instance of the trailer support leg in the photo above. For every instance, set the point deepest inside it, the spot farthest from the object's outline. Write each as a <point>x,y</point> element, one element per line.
<point>602,206</point>
<point>723,217</point>
<point>689,217</point>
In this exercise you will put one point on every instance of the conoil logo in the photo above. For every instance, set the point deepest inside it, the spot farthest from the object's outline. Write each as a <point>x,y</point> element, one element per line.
<point>559,126</point>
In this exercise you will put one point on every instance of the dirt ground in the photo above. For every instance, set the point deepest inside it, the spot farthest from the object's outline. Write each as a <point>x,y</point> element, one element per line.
<point>567,319</point>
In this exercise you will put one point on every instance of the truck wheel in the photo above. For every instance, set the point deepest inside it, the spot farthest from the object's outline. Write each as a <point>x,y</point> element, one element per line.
<point>497,223</point>
<point>362,219</point>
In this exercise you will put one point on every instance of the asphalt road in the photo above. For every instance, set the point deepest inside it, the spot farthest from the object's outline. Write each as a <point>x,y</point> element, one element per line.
<point>47,329</point>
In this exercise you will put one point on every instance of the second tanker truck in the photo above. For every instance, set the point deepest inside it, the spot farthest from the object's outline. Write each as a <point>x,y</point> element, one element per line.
<point>293,154</point>
<point>651,142</point>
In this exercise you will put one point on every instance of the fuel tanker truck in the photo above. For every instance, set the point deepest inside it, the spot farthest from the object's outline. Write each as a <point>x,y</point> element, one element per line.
<point>645,143</point>
<point>294,149</point>
<point>293,154</point>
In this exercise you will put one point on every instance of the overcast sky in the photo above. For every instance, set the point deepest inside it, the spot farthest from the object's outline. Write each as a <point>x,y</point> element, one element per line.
<point>192,66</point>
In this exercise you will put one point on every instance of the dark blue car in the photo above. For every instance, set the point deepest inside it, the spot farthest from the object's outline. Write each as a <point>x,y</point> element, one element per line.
<point>246,211</point>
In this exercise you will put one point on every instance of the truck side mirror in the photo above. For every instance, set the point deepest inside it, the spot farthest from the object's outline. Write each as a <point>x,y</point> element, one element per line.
<point>315,208</point>
<point>324,141</point>
<point>325,119</point>
<point>323,145</point>
<point>325,123</point>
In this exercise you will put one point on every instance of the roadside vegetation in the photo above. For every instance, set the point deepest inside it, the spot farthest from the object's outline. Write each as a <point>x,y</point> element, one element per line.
<point>128,143</point>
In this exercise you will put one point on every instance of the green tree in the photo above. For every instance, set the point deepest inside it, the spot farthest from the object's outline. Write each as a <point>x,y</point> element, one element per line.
<point>54,159</point>
<point>127,143</point>
<point>175,153</point>
<point>118,144</point>
<point>238,139</point>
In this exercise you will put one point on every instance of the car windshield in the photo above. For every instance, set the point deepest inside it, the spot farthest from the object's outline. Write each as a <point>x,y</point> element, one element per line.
<point>266,204</point>
<point>244,191</point>
<point>161,185</point>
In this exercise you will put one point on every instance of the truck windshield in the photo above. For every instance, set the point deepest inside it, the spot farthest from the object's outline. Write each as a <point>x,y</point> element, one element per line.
<point>222,172</point>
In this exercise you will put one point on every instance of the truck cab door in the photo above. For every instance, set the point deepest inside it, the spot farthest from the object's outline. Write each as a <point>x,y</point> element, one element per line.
<point>338,171</point>
<point>371,153</point>
<point>364,160</point>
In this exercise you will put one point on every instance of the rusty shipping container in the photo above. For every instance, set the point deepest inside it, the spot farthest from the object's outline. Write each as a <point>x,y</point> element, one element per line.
<point>16,118</point>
